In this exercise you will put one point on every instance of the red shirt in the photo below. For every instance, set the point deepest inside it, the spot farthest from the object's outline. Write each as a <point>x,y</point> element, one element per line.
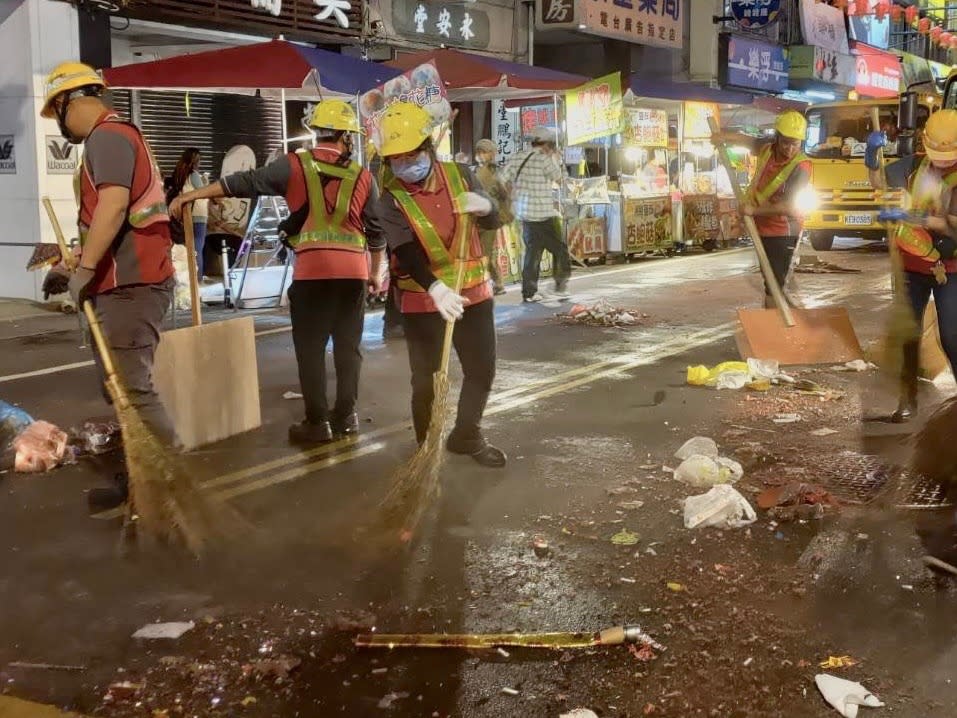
<point>781,225</point>
<point>435,201</point>
<point>321,263</point>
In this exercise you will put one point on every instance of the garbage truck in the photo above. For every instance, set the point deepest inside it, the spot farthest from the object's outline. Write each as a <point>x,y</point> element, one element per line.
<point>844,203</point>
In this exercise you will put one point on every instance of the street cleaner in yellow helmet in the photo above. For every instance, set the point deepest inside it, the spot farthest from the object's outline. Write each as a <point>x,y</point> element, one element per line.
<point>332,227</point>
<point>423,202</point>
<point>782,175</point>
<point>925,238</point>
<point>124,266</point>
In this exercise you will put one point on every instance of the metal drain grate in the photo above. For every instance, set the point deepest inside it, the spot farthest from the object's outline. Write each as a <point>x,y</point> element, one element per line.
<point>859,478</point>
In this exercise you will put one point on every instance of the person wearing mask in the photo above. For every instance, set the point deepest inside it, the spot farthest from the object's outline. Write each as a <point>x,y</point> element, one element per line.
<point>926,239</point>
<point>186,178</point>
<point>423,204</point>
<point>532,176</point>
<point>487,173</point>
<point>332,224</point>
<point>783,172</point>
<point>124,265</point>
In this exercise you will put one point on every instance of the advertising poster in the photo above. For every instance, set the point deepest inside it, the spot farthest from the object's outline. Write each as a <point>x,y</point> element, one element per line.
<point>647,224</point>
<point>586,237</point>
<point>823,26</point>
<point>696,119</point>
<point>594,109</point>
<point>421,86</point>
<point>647,22</point>
<point>701,217</point>
<point>646,128</point>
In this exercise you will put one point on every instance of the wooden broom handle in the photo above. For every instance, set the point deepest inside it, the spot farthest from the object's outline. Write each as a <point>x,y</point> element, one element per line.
<point>66,256</point>
<point>463,238</point>
<point>191,264</point>
<point>763,262</point>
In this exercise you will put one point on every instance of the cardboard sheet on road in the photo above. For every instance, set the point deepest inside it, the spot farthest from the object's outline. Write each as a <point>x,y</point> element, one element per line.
<point>207,377</point>
<point>820,336</point>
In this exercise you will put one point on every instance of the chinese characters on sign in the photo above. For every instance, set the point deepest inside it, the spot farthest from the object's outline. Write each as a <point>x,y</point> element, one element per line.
<point>753,14</point>
<point>421,86</point>
<point>273,7</point>
<point>594,109</point>
<point>586,237</point>
<point>755,65</point>
<point>649,22</point>
<point>330,10</point>
<point>823,26</point>
<point>701,217</point>
<point>449,24</point>
<point>647,223</point>
<point>537,116</point>
<point>878,73</point>
<point>647,128</point>
<point>554,14</point>
<point>504,131</point>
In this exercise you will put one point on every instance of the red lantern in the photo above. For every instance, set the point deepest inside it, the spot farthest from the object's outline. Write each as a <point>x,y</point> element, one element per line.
<point>944,39</point>
<point>935,33</point>
<point>880,11</point>
<point>897,12</point>
<point>910,14</point>
<point>953,42</point>
<point>923,27</point>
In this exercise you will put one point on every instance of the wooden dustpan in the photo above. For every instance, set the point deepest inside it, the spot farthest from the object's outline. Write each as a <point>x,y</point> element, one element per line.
<point>207,374</point>
<point>787,334</point>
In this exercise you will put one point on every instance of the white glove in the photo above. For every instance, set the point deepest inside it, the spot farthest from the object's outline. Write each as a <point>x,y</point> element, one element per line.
<point>473,203</point>
<point>450,305</point>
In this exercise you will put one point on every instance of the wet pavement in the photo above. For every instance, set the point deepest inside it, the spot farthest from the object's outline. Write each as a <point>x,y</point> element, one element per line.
<point>590,418</point>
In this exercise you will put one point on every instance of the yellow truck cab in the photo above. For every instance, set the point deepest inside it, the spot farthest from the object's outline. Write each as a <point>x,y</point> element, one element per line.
<point>847,205</point>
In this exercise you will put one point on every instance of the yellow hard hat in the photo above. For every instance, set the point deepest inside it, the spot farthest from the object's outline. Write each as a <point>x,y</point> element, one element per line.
<point>334,115</point>
<point>940,136</point>
<point>792,125</point>
<point>404,127</point>
<point>65,77</point>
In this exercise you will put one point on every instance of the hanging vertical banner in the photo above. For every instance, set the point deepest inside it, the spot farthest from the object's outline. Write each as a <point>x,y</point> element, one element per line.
<point>594,109</point>
<point>823,26</point>
<point>696,125</point>
<point>421,86</point>
<point>504,131</point>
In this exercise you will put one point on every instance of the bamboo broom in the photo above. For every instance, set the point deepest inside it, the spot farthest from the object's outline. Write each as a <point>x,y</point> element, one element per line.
<point>165,503</point>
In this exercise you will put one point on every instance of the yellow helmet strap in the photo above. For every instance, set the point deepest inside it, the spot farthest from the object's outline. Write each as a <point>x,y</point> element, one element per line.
<point>63,108</point>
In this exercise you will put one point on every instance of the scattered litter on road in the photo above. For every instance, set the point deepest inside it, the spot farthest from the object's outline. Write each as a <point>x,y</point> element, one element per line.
<point>29,446</point>
<point>540,547</point>
<point>624,538</point>
<point>703,471</point>
<point>630,505</point>
<point>650,551</point>
<point>748,662</point>
<point>389,698</point>
<point>757,374</point>
<point>856,365</point>
<point>700,446</point>
<point>279,667</point>
<point>503,653</point>
<point>722,506</point>
<point>248,701</point>
<point>627,580</point>
<point>379,671</point>
<point>174,630</point>
<point>823,432</point>
<point>121,691</point>
<point>845,696</point>
<point>292,395</point>
<point>600,314</point>
<point>675,586</point>
<point>579,713</point>
<point>644,653</point>
<point>509,691</point>
<point>44,666</point>
<point>796,500</point>
<point>819,266</point>
<point>838,662</point>
<point>787,418</point>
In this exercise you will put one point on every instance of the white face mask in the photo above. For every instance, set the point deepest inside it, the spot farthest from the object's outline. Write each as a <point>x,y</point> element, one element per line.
<point>414,170</point>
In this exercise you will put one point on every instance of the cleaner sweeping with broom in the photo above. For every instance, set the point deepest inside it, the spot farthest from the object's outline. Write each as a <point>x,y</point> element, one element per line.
<point>422,207</point>
<point>124,267</point>
<point>925,238</point>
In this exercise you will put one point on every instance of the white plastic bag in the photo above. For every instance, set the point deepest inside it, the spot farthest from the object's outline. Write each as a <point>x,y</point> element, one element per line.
<point>701,445</point>
<point>703,471</point>
<point>733,380</point>
<point>845,696</point>
<point>722,506</point>
<point>764,368</point>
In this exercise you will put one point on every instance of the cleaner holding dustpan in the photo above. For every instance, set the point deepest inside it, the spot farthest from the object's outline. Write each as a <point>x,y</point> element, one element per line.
<point>124,267</point>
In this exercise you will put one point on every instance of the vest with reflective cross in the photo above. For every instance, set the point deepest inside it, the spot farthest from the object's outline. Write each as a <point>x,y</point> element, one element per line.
<point>442,259</point>
<point>322,229</point>
<point>760,195</point>
<point>926,194</point>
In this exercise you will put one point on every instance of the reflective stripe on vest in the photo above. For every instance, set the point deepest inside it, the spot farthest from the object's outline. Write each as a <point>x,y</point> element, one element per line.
<point>143,211</point>
<point>761,195</point>
<point>925,194</point>
<point>323,230</point>
<point>441,260</point>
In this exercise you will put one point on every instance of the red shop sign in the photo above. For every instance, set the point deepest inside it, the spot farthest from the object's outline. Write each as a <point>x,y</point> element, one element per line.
<point>878,73</point>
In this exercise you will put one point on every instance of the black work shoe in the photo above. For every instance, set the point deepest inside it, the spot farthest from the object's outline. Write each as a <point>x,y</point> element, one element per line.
<point>479,449</point>
<point>498,291</point>
<point>906,410</point>
<point>106,498</point>
<point>307,433</point>
<point>347,426</point>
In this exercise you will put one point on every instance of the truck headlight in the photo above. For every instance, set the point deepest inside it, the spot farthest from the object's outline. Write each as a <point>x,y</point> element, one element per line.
<point>807,200</point>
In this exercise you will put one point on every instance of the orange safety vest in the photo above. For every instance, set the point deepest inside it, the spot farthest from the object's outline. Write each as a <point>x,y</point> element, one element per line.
<point>323,230</point>
<point>760,195</point>
<point>442,260</point>
<point>925,196</point>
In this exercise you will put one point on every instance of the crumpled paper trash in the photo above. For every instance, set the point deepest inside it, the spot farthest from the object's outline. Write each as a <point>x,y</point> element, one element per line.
<point>579,713</point>
<point>701,445</point>
<point>703,471</point>
<point>722,507</point>
<point>40,447</point>
<point>844,695</point>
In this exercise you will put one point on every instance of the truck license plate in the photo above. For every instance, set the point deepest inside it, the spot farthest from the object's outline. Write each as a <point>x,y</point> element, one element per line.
<point>858,218</point>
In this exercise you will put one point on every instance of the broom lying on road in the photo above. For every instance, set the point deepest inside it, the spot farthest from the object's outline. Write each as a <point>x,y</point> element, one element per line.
<point>616,636</point>
<point>164,501</point>
<point>416,484</point>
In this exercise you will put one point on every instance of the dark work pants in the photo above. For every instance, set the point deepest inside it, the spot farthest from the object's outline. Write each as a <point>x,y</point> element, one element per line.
<point>919,288</point>
<point>320,309</point>
<point>780,251</point>
<point>131,318</point>
<point>538,237</point>
<point>474,342</point>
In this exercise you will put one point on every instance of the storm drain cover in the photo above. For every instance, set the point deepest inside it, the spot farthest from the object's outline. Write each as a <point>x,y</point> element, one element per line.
<point>860,479</point>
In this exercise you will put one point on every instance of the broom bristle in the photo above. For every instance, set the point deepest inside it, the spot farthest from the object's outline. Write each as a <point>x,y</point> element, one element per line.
<point>415,485</point>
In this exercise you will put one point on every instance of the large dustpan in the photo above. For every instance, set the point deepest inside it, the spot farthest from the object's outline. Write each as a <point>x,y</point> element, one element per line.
<point>789,334</point>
